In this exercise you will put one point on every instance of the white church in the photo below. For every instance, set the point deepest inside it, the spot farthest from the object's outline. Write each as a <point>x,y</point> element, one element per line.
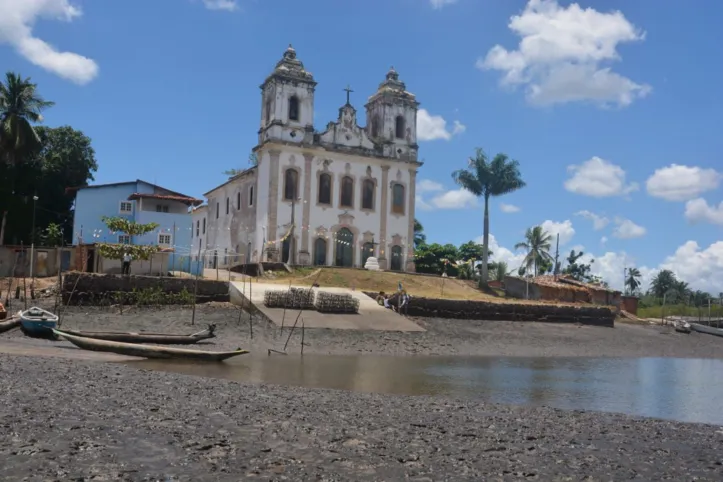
<point>331,198</point>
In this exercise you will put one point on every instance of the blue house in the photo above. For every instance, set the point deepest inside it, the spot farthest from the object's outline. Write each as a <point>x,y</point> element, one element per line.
<point>137,201</point>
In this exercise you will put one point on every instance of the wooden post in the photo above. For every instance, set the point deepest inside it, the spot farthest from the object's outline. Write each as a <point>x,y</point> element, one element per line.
<point>25,287</point>
<point>303,329</point>
<point>195,291</point>
<point>283,314</point>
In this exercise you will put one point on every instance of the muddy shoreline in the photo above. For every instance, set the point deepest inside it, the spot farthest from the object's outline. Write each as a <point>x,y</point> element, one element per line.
<point>443,336</point>
<point>74,420</point>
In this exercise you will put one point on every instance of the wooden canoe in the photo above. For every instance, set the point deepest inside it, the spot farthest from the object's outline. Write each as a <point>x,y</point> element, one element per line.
<point>9,324</point>
<point>156,338</point>
<point>145,351</point>
<point>709,330</point>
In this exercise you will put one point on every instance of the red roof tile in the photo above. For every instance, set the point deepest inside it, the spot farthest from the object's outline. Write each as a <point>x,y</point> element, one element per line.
<point>183,199</point>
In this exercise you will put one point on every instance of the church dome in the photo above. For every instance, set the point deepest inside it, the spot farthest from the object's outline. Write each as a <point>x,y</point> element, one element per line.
<point>291,68</point>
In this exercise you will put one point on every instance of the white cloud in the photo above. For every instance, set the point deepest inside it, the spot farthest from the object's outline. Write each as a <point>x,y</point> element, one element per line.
<point>227,5</point>
<point>681,183</point>
<point>698,210</point>
<point>597,177</point>
<point>604,240</point>
<point>564,229</point>
<point>499,253</point>
<point>598,222</point>
<point>626,229</point>
<point>434,127</point>
<point>16,28</point>
<point>509,208</point>
<point>455,199</point>
<point>563,55</point>
<point>427,185</point>
<point>421,204</point>
<point>439,4</point>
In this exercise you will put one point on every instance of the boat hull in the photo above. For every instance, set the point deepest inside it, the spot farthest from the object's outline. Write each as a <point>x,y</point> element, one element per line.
<point>143,351</point>
<point>10,324</point>
<point>155,338</point>
<point>709,330</point>
<point>38,323</point>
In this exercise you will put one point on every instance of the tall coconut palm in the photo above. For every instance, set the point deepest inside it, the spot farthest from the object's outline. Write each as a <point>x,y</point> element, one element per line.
<point>486,179</point>
<point>20,107</point>
<point>537,243</point>
<point>632,280</point>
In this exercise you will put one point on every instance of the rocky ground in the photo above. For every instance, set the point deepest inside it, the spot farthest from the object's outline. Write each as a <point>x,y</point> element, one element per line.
<point>443,337</point>
<point>75,420</point>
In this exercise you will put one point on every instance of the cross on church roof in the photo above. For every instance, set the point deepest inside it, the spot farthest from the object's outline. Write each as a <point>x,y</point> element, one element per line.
<point>348,91</point>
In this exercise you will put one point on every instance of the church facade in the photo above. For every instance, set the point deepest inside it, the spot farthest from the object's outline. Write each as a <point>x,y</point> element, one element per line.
<point>330,198</point>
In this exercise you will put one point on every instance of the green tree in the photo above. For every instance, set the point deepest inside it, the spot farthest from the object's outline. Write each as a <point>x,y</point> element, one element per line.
<point>662,283</point>
<point>487,179</point>
<point>472,250</point>
<point>429,258</point>
<point>577,270</point>
<point>52,235</point>
<point>632,281</point>
<point>131,228</point>
<point>21,106</point>
<point>419,237</point>
<point>537,243</point>
<point>498,271</point>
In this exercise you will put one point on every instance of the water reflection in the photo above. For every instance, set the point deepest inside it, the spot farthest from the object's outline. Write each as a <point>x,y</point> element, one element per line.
<point>679,389</point>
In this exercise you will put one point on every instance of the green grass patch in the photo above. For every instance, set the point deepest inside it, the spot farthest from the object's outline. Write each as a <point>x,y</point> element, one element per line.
<point>680,310</point>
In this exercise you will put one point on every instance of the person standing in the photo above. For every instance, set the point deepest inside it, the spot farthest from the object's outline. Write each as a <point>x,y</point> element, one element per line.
<point>126,266</point>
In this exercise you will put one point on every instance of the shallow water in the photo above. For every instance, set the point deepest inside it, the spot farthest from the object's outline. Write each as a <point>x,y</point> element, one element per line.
<point>688,390</point>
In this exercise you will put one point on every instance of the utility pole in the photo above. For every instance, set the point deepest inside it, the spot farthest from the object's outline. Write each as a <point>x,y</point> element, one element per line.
<point>557,255</point>
<point>625,285</point>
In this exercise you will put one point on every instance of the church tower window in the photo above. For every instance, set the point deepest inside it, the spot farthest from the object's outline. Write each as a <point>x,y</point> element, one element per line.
<point>368,194</point>
<point>291,181</point>
<point>398,199</point>
<point>375,126</point>
<point>347,192</point>
<point>268,111</point>
<point>294,108</point>
<point>325,189</point>
<point>399,125</point>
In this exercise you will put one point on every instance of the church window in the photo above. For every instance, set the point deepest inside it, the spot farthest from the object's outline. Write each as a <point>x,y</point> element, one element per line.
<point>291,181</point>
<point>325,189</point>
<point>238,201</point>
<point>347,192</point>
<point>268,111</point>
<point>320,252</point>
<point>227,205</point>
<point>398,199</point>
<point>251,196</point>
<point>294,108</point>
<point>368,194</point>
<point>375,126</point>
<point>399,124</point>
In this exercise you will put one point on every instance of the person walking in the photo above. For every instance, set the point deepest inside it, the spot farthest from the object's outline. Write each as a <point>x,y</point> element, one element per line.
<point>126,266</point>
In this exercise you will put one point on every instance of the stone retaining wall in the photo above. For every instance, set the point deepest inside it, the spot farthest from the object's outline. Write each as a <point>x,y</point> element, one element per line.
<point>92,287</point>
<point>482,310</point>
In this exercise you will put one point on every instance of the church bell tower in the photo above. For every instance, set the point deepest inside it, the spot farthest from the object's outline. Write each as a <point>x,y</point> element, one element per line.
<point>287,102</point>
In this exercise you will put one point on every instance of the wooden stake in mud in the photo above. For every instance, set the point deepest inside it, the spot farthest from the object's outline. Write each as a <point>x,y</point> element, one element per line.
<point>62,315</point>
<point>25,286</point>
<point>301,310</point>
<point>283,314</point>
<point>303,329</point>
<point>60,283</point>
<point>195,290</point>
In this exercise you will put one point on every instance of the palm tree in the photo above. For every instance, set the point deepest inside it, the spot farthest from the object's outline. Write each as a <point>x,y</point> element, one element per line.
<point>632,280</point>
<point>485,179</point>
<point>20,107</point>
<point>537,243</point>
<point>419,237</point>
<point>498,270</point>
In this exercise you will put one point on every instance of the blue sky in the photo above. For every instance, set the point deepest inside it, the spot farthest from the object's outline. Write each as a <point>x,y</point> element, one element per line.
<point>627,93</point>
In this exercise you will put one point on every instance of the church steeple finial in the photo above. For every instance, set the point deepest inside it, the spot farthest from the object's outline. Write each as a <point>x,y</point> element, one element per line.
<point>348,91</point>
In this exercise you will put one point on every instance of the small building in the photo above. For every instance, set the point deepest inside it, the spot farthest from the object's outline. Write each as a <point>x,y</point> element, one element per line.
<point>198,230</point>
<point>561,288</point>
<point>138,201</point>
<point>330,197</point>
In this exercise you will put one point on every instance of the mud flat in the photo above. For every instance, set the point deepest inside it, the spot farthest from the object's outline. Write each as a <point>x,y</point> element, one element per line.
<point>443,336</point>
<point>74,420</point>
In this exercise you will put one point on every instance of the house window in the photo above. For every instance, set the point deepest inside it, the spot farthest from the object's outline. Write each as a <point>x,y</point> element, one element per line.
<point>124,239</point>
<point>251,196</point>
<point>368,194</point>
<point>396,263</point>
<point>227,204</point>
<point>161,208</point>
<point>238,201</point>
<point>218,210</point>
<point>325,189</point>
<point>398,199</point>
<point>126,207</point>
<point>291,180</point>
<point>399,124</point>
<point>204,226</point>
<point>347,192</point>
<point>198,225</point>
<point>164,239</point>
<point>294,108</point>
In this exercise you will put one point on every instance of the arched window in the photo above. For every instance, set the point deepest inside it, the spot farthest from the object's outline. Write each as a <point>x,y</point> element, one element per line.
<point>268,111</point>
<point>396,263</point>
<point>366,253</point>
<point>325,188</point>
<point>286,250</point>
<point>375,126</point>
<point>399,127</point>
<point>398,199</point>
<point>294,108</point>
<point>368,194</point>
<point>344,248</point>
<point>347,192</point>
<point>238,201</point>
<point>320,252</point>
<point>291,181</point>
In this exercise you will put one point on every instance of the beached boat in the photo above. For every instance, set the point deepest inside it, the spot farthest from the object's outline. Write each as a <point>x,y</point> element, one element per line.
<point>706,329</point>
<point>145,351</point>
<point>681,326</point>
<point>9,324</point>
<point>156,338</point>
<point>38,323</point>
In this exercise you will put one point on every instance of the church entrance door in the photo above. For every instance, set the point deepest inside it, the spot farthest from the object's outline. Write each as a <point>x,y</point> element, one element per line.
<point>344,248</point>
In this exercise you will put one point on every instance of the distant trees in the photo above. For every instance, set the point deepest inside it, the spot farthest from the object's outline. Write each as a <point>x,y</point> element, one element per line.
<point>537,243</point>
